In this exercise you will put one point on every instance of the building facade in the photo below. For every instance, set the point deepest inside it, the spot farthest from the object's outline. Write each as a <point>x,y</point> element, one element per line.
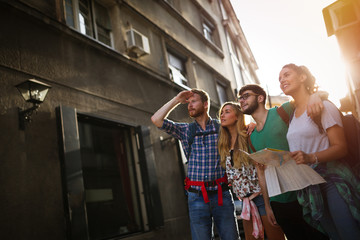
<point>90,164</point>
<point>342,19</point>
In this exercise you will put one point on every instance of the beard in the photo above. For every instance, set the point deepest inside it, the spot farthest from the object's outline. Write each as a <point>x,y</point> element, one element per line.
<point>251,108</point>
<point>196,113</point>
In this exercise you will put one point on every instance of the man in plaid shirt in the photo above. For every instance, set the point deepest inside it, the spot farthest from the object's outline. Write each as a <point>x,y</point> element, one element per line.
<point>209,197</point>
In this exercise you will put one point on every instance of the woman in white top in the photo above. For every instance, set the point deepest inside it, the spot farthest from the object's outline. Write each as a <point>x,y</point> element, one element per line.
<point>242,175</point>
<point>334,206</point>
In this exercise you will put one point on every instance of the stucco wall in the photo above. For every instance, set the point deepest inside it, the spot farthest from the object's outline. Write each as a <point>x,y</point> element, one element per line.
<point>95,80</point>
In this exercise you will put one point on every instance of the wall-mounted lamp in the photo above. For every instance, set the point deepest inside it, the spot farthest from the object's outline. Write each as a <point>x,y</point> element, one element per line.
<point>33,91</point>
<point>163,141</point>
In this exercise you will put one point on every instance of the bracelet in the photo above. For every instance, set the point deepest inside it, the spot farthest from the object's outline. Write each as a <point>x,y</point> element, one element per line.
<point>316,159</point>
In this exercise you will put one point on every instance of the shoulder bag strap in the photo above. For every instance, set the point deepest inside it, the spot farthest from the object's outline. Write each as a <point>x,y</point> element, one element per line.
<point>250,144</point>
<point>283,114</point>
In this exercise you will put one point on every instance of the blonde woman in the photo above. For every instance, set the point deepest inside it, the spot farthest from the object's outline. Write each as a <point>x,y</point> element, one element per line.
<point>242,175</point>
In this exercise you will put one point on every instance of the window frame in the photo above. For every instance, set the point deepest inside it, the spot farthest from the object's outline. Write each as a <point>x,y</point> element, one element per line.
<point>208,30</point>
<point>220,84</point>
<point>177,75</point>
<point>94,27</point>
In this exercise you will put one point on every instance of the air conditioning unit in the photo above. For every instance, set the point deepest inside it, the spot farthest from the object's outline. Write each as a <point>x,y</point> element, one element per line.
<point>137,43</point>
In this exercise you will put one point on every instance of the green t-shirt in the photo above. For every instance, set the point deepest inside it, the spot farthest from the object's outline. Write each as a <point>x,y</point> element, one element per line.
<point>273,135</point>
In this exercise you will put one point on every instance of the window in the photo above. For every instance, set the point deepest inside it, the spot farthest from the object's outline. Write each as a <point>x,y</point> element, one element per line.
<point>236,62</point>
<point>208,31</point>
<point>103,24</point>
<point>247,76</point>
<point>221,90</point>
<point>69,16</point>
<point>340,15</point>
<point>233,49</point>
<point>90,18</point>
<point>85,18</point>
<point>345,14</point>
<point>177,69</point>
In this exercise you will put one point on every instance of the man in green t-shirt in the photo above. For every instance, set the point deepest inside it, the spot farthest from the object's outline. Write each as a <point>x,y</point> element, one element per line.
<point>270,132</point>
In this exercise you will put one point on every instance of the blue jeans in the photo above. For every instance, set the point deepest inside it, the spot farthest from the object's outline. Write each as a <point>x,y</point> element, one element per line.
<point>201,215</point>
<point>337,220</point>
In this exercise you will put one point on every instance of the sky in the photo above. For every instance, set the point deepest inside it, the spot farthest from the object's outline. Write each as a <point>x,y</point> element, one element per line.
<point>292,31</point>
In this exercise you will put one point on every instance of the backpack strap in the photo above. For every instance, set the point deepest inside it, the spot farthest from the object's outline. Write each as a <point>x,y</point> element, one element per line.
<point>283,114</point>
<point>287,119</point>
<point>217,126</point>
<point>192,134</point>
<point>250,144</point>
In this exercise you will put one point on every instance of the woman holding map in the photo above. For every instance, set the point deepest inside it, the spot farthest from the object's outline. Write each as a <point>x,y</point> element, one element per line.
<point>334,206</point>
<point>242,175</point>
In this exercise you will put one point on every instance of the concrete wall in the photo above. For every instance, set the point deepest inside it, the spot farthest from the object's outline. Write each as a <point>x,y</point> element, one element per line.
<point>98,80</point>
<point>95,80</point>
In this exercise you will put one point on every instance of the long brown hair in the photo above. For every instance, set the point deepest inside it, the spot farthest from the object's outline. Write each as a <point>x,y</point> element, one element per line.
<point>224,141</point>
<point>310,81</point>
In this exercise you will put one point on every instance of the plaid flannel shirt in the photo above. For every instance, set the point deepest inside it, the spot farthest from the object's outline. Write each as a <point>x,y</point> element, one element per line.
<point>346,183</point>
<point>203,163</point>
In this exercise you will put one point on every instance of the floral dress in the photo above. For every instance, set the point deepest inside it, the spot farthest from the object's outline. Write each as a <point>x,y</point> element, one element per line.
<point>243,180</point>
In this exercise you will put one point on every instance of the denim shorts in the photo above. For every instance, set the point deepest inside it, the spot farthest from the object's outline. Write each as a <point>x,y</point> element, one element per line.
<point>259,202</point>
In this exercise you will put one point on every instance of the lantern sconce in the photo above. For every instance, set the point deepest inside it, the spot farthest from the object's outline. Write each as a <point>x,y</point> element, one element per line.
<point>32,91</point>
<point>163,141</point>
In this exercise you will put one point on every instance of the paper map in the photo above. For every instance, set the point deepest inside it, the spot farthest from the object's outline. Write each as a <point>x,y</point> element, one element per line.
<point>282,173</point>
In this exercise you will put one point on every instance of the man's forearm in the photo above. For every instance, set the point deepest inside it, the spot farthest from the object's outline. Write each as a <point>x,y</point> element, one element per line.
<point>323,95</point>
<point>163,112</point>
<point>315,105</point>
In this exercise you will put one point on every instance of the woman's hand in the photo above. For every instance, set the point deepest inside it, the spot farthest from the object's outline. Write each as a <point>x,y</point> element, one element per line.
<point>302,158</point>
<point>259,167</point>
<point>271,217</point>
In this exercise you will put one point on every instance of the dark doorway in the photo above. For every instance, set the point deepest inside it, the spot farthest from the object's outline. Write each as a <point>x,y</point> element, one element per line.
<point>112,205</point>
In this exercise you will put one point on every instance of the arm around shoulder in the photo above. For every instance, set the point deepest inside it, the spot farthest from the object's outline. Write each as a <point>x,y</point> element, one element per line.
<point>315,105</point>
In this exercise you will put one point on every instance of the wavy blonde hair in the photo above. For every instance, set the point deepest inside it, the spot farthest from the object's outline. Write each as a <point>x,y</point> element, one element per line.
<point>224,141</point>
